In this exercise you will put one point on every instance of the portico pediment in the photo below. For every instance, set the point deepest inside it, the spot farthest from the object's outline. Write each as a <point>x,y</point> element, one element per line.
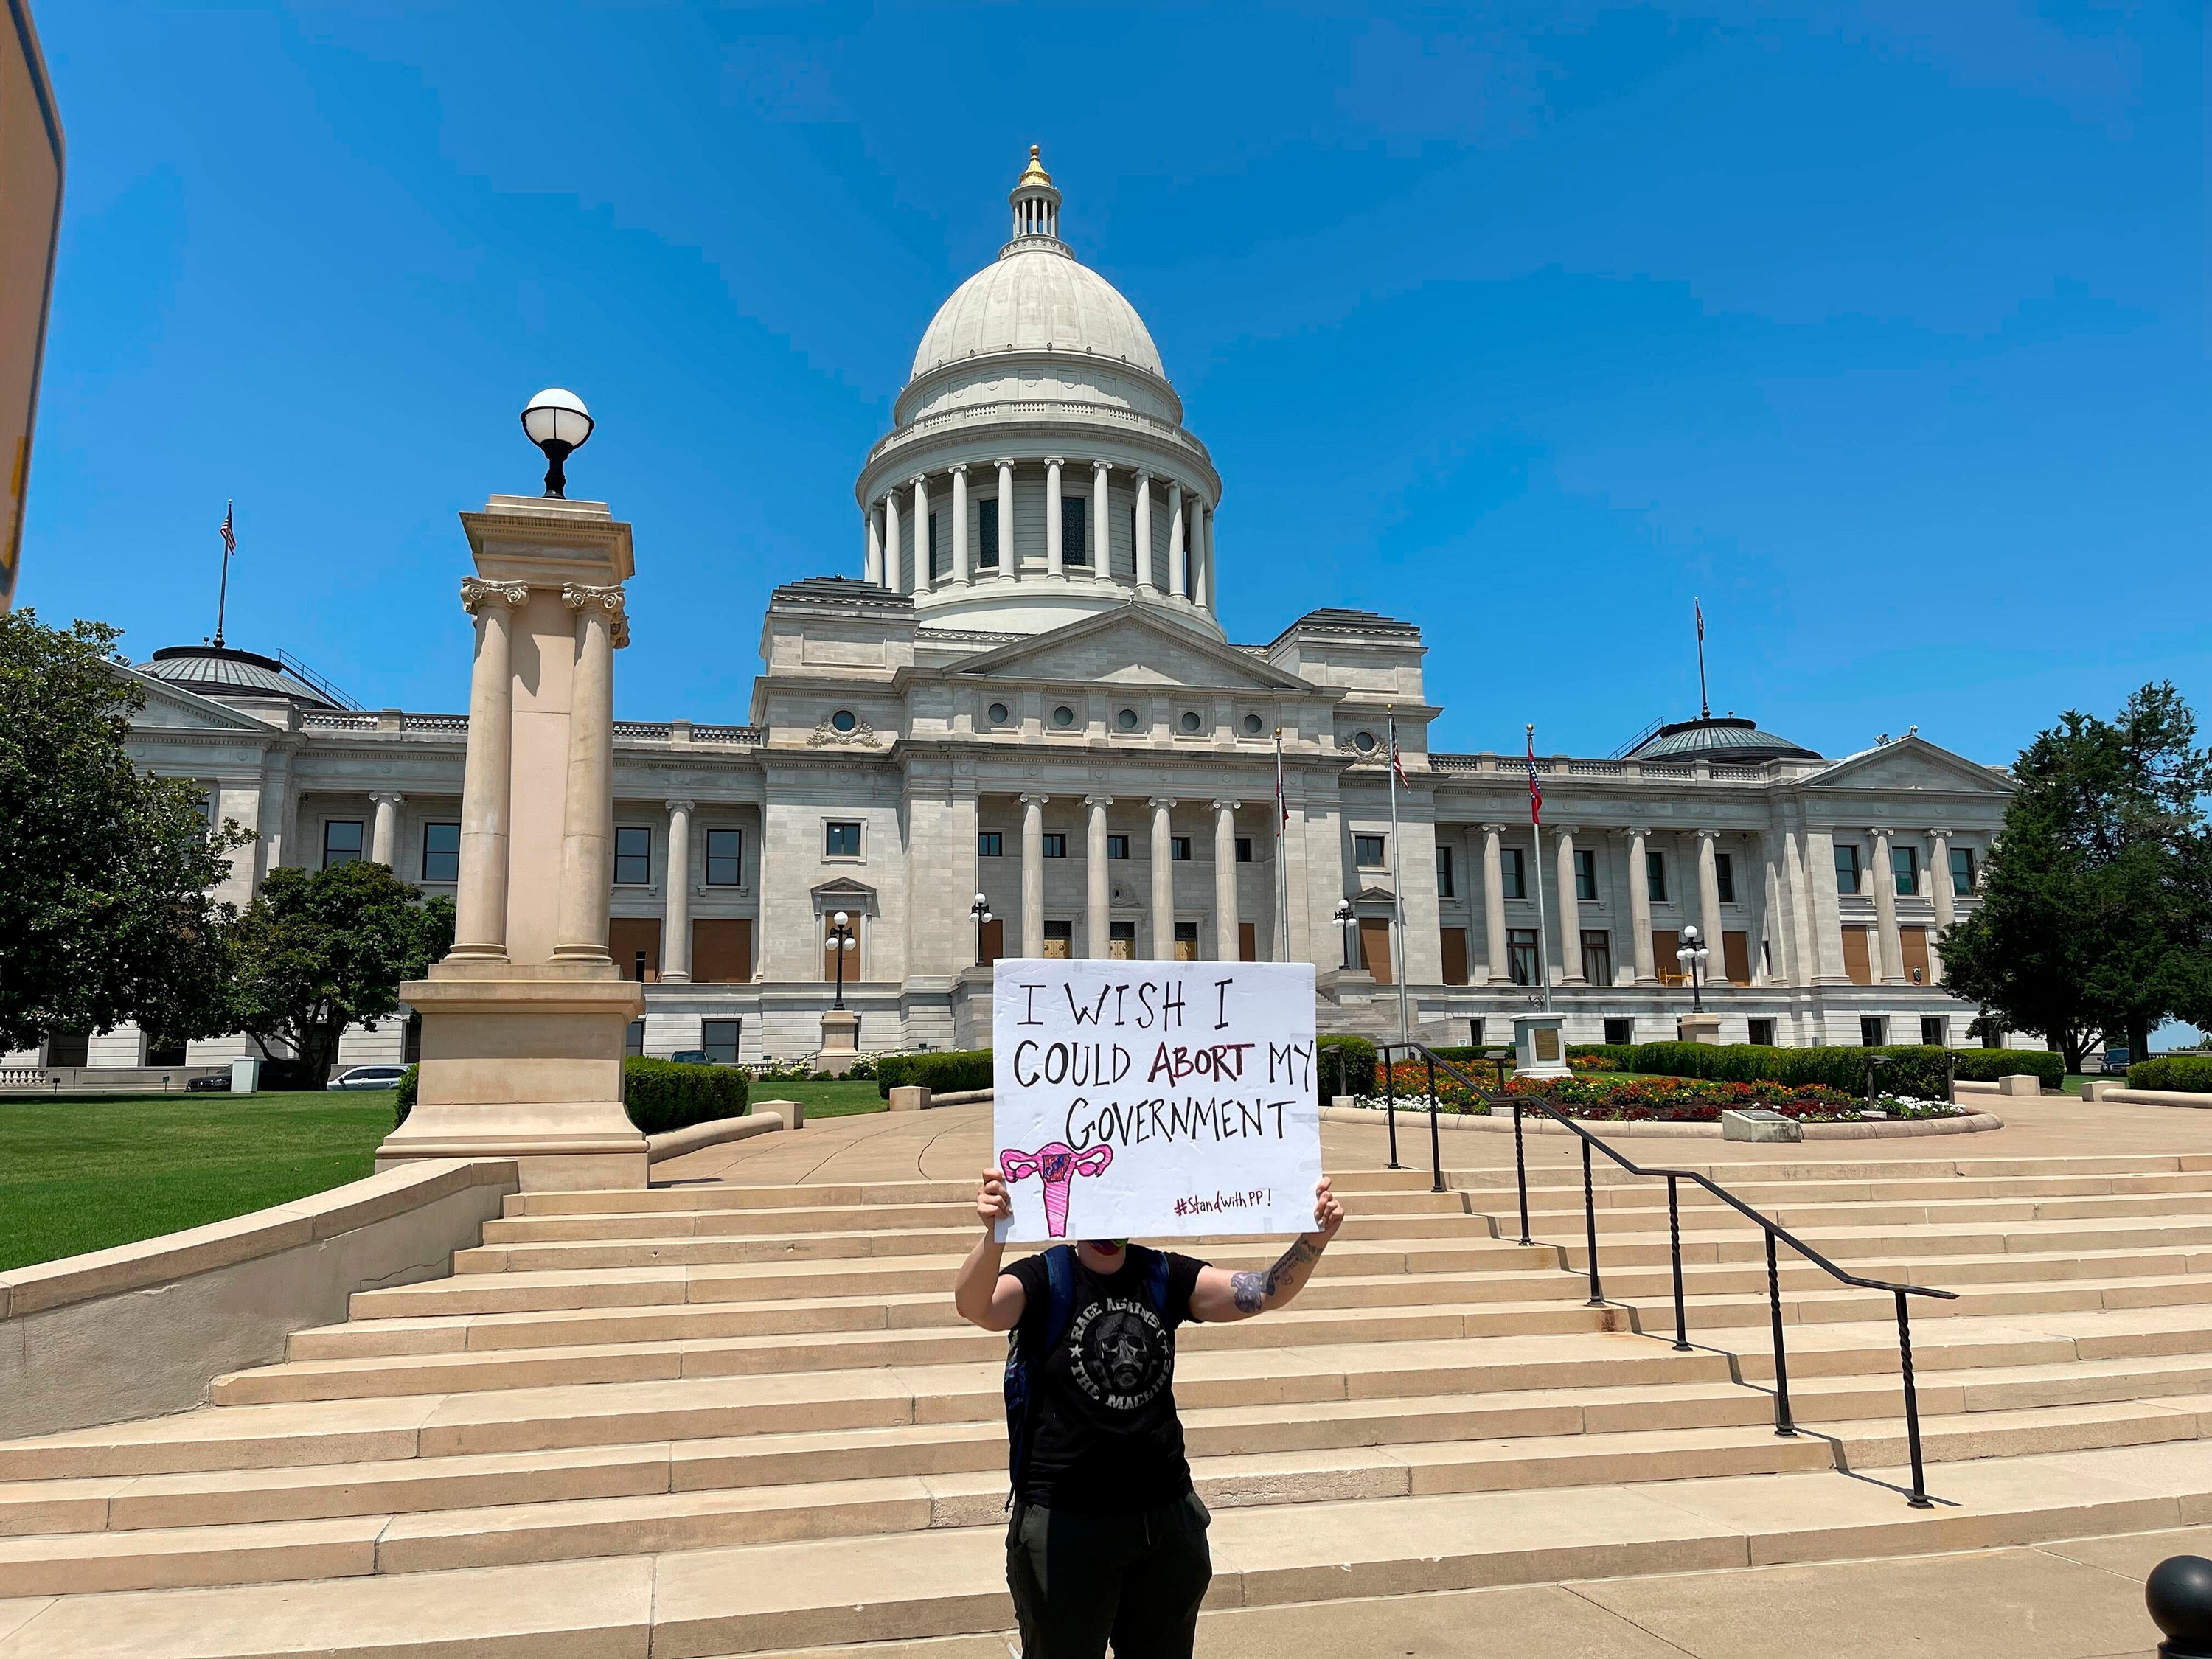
<point>168,708</point>
<point>1132,647</point>
<point>1910,763</point>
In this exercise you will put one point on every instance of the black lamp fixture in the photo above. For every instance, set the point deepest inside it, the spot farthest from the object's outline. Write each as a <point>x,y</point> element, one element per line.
<point>558,423</point>
<point>842,941</point>
<point>1694,955</point>
<point>1342,915</point>
<point>980,909</point>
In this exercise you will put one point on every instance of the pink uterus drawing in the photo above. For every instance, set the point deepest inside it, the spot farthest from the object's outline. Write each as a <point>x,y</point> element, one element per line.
<point>1058,1166</point>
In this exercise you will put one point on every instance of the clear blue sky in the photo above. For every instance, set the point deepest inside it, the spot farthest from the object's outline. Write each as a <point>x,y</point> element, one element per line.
<point>1880,327</point>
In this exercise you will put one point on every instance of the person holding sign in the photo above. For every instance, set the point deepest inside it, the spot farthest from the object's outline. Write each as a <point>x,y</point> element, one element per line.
<point>1108,1537</point>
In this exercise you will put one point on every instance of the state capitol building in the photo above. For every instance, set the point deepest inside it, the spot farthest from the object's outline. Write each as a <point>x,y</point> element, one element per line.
<point>1025,693</point>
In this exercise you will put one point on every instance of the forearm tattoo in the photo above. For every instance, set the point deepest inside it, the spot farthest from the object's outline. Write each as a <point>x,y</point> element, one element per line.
<point>1252,1291</point>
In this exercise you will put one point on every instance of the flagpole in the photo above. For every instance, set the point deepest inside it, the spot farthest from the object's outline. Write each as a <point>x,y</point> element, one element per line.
<point>1704,703</point>
<point>1543,923</point>
<point>1397,886</point>
<point>222,590</point>
<point>1282,864</point>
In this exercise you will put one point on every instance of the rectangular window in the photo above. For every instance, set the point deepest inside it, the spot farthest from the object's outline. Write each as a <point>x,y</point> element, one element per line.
<point>726,858</point>
<point>1618,1029</point>
<point>987,533</point>
<point>1055,847</point>
<point>441,852</point>
<point>1060,939</point>
<point>841,840</point>
<point>1725,876</point>
<point>633,855</point>
<point>1847,868</point>
<point>1858,963</point>
<point>1178,849</point>
<point>1597,957</point>
<point>1444,872</point>
<point>1905,865</point>
<point>1962,870</point>
<point>1935,1031</point>
<point>1873,1032</point>
<point>990,843</point>
<point>1453,942</point>
<point>1186,941</point>
<point>1368,852</point>
<point>1586,876</point>
<point>1762,1033</point>
<point>1521,954</point>
<point>1117,847</point>
<point>935,568</point>
<point>341,842</point>
<point>1121,941</point>
<point>1654,875</point>
<point>1243,849</point>
<point>718,1037</point>
<point>634,1037</point>
<point>1075,529</point>
<point>1513,872</point>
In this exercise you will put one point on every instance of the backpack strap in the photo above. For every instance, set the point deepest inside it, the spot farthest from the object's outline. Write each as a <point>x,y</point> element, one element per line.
<point>1060,1295</point>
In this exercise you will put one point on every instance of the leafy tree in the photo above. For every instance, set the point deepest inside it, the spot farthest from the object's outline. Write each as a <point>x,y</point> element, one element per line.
<point>105,871</point>
<point>317,951</point>
<point>2096,913</point>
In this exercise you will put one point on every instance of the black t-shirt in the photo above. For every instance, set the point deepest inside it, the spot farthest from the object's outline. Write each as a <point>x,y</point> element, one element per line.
<point>1106,1438</point>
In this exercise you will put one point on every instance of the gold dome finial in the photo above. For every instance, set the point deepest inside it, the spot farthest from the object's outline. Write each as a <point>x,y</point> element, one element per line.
<point>1035,173</point>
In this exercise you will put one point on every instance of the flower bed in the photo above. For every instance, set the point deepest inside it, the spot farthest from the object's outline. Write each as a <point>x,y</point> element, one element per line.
<point>1661,1100</point>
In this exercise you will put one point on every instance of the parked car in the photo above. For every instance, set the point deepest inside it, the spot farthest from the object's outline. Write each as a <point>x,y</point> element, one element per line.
<point>2115,1062</point>
<point>367,1077</point>
<point>691,1057</point>
<point>216,1084</point>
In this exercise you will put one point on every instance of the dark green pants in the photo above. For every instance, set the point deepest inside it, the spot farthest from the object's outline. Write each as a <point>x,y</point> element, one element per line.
<point>1079,1581</point>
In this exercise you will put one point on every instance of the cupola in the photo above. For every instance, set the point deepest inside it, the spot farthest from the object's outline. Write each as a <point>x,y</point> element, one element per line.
<point>1036,206</point>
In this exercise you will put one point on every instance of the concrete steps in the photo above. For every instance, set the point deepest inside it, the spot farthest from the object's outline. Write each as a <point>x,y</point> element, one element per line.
<point>713,1416</point>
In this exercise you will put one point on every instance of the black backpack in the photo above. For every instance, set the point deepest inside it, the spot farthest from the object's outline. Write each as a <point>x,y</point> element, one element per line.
<point>1060,1308</point>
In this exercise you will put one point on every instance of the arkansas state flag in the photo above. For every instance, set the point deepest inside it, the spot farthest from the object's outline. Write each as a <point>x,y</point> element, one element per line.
<point>1535,789</point>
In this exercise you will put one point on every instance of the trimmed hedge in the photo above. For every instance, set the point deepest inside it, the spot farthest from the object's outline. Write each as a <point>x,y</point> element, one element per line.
<point>1913,1069</point>
<point>2180,1073</point>
<point>659,1094</point>
<point>1344,1064</point>
<point>954,1071</point>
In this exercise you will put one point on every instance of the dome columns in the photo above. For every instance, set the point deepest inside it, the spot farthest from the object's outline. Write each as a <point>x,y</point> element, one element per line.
<point>1102,539</point>
<point>1009,566</point>
<point>1144,531</point>
<point>959,471</point>
<point>1178,572</point>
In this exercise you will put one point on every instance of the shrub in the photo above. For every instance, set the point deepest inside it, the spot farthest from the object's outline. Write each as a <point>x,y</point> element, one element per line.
<point>956,1071</point>
<point>1912,1070</point>
<point>659,1094</point>
<point>1344,1065</point>
<point>1988,1064</point>
<point>2186,1074</point>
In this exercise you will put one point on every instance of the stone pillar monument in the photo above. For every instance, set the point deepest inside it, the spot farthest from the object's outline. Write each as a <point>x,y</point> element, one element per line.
<point>523,1023</point>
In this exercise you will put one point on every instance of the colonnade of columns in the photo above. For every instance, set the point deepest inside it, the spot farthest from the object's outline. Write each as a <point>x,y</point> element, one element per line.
<point>1097,941</point>
<point>1186,572</point>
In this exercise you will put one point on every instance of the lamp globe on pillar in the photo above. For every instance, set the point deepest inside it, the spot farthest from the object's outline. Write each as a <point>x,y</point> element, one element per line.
<point>980,909</point>
<point>842,937</point>
<point>1694,955</point>
<point>1342,915</point>
<point>558,423</point>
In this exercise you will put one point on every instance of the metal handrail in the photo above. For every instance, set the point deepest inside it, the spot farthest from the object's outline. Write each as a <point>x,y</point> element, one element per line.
<point>1774,1231</point>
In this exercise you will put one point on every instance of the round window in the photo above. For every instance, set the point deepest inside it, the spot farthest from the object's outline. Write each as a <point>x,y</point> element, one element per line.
<point>1363,741</point>
<point>1190,721</point>
<point>1254,725</point>
<point>1126,720</point>
<point>1063,715</point>
<point>998,713</point>
<point>844,719</point>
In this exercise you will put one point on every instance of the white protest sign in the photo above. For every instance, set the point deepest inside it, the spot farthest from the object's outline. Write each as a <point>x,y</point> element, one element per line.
<point>1150,1099</point>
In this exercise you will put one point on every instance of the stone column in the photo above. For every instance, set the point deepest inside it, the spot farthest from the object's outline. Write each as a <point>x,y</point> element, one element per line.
<point>1145,531</point>
<point>1939,889</point>
<point>872,567</point>
<point>1097,915</point>
<point>1228,939</point>
<point>588,830</point>
<point>1008,565</point>
<point>1201,579</point>
<point>924,577</point>
<point>1709,900</point>
<point>892,553</point>
<point>384,837</point>
<point>959,471</point>
<point>1163,879</point>
<point>1640,907</point>
<point>1493,904</point>
<point>1102,543</point>
<point>676,914</point>
<point>1890,970</point>
<point>1033,874</point>
<point>1178,560</point>
<point>1570,914</point>
<point>1054,554</point>
<point>1825,953</point>
<point>480,896</point>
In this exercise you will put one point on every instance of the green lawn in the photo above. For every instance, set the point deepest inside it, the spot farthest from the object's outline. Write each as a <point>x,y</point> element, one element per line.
<point>84,1172</point>
<point>838,1099</point>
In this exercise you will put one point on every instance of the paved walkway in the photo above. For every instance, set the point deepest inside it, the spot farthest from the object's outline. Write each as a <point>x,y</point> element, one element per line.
<point>953,1143</point>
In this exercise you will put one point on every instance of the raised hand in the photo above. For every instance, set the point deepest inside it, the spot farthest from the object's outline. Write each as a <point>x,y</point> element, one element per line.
<point>992,1203</point>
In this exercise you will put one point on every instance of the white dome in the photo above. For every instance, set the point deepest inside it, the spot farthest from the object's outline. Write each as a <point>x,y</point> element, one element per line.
<point>1035,297</point>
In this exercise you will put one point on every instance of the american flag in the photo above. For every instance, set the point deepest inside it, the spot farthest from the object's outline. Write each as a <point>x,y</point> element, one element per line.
<point>1282,800</point>
<point>1397,765</point>
<point>229,541</point>
<point>1535,789</point>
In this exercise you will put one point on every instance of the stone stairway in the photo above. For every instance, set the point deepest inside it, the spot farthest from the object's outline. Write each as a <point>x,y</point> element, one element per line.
<point>737,1419</point>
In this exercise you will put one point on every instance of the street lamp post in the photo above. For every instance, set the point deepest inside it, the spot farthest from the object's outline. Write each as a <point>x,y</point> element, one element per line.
<point>1694,955</point>
<point>1344,920</point>
<point>840,933</point>
<point>980,909</point>
<point>558,423</point>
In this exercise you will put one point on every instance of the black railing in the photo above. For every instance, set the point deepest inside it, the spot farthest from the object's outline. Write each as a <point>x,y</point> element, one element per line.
<point>1784,1424</point>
